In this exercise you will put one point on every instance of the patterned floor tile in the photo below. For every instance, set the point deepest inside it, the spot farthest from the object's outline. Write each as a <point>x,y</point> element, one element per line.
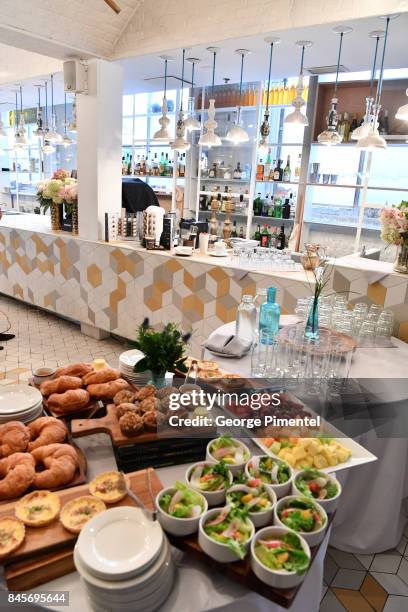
<point>403,570</point>
<point>394,585</point>
<point>330,569</point>
<point>345,560</point>
<point>374,593</point>
<point>348,579</point>
<point>353,601</point>
<point>330,603</point>
<point>365,560</point>
<point>396,604</point>
<point>386,563</point>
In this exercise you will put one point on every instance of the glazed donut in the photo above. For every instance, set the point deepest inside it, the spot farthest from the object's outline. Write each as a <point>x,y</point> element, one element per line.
<point>46,430</point>
<point>17,472</point>
<point>14,437</point>
<point>60,462</point>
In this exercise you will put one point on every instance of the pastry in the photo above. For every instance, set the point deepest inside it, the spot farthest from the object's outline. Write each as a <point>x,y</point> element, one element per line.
<point>180,413</point>
<point>17,473</point>
<point>79,511</point>
<point>207,366</point>
<point>131,424</point>
<point>126,407</point>
<point>144,392</point>
<point>38,508</point>
<point>101,376</point>
<point>60,462</point>
<point>110,487</point>
<point>60,384</point>
<point>124,396</point>
<point>75,369</point>
<point>46,430</point>
<point>153,419</point>
<point>70,401</point>
<point>14,437</point>
<point>148,404</point>
<point>165,404</point>
<point>165,392</point>
<point>12,534</point>
<point>106,391</point>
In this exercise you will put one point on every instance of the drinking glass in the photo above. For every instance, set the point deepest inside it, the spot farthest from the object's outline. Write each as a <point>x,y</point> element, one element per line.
<point>386,318</point>
<point>375,311</point>
<point>360,308</point>
<point>367,330</point>
<point>384,331</point>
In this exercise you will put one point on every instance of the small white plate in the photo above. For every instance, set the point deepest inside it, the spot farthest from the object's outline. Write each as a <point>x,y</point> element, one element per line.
<point>119,543</point>
<point>218,254</point>
<point>18,398</point>
<point>130,358</point>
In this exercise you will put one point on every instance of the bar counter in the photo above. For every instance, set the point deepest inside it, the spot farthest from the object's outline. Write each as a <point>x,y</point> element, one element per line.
<point>112,287</point>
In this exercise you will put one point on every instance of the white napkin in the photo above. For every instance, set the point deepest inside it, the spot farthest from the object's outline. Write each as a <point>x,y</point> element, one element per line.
<point>229,346</point>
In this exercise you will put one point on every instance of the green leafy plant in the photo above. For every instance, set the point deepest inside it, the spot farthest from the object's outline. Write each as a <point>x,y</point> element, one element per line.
<point>163,349</point>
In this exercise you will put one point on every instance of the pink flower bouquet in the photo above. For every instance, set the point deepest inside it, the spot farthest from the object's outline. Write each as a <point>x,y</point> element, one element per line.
<point>394,224</point>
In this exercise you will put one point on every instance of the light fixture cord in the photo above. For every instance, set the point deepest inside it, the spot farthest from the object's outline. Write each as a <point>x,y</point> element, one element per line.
<point>301,60</point>
<point>52,96</point>
<point>65,113</point>
<point>21,102</point>
<point>338,61</point>
<point>17,117</point>
<point>182,80</point>
<point>380,81</point>
<point>165,77</point>
<point>39,99</point>
<point>46,104</point>
<point>269,76</point>
<point>242,72</point>
<point>213,73</point>
<point>377,40</point>
<point>192,75</point>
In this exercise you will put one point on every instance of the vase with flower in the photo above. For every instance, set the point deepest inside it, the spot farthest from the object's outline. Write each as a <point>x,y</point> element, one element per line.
<point>394,230</point>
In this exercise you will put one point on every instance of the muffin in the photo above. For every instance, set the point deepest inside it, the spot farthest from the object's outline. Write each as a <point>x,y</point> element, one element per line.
<point>148,404</point>
<point>153,419</point>
<point>131,424</point>
<point>165,392</point>
<point>124,397</point>
<point>180,413</point>
<point>126,407</point>
<point>144,392</point>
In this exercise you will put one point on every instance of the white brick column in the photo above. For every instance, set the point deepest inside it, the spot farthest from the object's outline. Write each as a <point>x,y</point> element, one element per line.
<point>99,137</point>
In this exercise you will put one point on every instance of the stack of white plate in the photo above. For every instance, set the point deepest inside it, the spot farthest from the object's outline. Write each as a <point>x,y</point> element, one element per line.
<point>20,403</point>
<point>124,561</point>
<point>127,361</point>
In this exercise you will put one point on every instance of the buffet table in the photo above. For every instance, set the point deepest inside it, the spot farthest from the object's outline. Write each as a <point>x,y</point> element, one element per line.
<point>377,523</point>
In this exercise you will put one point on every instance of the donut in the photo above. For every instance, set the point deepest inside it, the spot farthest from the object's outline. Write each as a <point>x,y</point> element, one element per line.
<point>59,461</point>
<point>46,430</point>
<point>14,437</point>
<point>17,473</point>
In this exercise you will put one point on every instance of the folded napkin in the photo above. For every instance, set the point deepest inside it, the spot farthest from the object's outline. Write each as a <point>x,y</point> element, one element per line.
<point>228,346</point>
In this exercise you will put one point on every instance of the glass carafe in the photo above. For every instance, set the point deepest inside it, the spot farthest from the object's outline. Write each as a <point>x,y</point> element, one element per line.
<point>246,319</point>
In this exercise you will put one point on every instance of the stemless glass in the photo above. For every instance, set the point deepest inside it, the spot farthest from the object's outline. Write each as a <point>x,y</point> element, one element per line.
<point>374,312</point>
<point>368,330</point>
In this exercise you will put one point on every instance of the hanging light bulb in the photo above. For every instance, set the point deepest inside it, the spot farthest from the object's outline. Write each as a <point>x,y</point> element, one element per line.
<point>20,140</point>
<point>191,123</point>
<point>39,131</point>
<point>209,138</point>
<point>66,140</point>
<point>296,116</point>
<point>47,148</point>
<point>402,112</point>
<point>331,136</point>
<point>181,144</point>
<point>53,135</point>
<point>265,127</point>
<point>163,133</point>
<point>363,130</point>
<point>237,134</point>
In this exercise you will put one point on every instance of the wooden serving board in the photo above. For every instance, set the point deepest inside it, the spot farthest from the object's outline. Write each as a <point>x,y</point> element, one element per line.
<point>46,552</point>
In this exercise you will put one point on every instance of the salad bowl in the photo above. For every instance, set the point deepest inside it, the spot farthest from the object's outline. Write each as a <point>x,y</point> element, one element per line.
<point>224,535</point>
<point>279,557</point>
<point>230,450</point>
<point>322,487</point>
<point>303,515</point>
<point>180,509</point>
<point>274,473</point>
<point>255,498</point>
<point>211,479</point>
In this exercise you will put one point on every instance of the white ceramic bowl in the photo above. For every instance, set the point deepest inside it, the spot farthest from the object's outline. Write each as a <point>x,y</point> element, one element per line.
<point>279,579</point>
<point>42,374</point>
<point>329,505</point>
<point>214,498</point>
<point>216,550</point>
<point>265,517</point>
<point>280,489</point>
<point>313,538</point>
<point>234,468</point>
<point>178,526</point>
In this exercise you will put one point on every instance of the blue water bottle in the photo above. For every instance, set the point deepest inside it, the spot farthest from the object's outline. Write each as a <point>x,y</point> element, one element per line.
<point>269,316</point>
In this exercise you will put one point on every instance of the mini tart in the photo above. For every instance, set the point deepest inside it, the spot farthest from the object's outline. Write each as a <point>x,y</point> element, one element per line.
<point>38,508</point>
<point>12,534</point>
<point>108,487</point>
<point>209,374</point>
<point>77,512</point>
<point>207,366</point>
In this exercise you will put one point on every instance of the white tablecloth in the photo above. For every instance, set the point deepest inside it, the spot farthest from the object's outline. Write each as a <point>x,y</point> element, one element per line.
<point>371,514</point>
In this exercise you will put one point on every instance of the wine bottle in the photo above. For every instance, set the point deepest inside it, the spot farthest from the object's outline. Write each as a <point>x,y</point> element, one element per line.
<point>267,167</point>
<point>287,173</point>
<point>265,237</point>
<point>257,235</point>
<point>281,239</point>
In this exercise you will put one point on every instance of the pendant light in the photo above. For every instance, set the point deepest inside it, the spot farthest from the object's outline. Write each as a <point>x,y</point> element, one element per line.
<point>237,134</point>
<point>66,140</point>
<point>39,131</point>
<point>265,128</point>
<point>20,139</point>
<point>163,133</point>
<point>402,112</point>
<point>53,135</point>
<point>364,128</point>
<point>373,141</point>
<point>191,123</point>
<point>47,147</point>
<point>331,136</point>
<point>209,138</point>
<point>181,144</point>
<point>296,116</point>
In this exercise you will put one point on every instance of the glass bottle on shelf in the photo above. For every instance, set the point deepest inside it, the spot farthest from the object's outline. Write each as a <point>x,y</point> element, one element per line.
<point>287,172</point>
<point>278,172</point>
<point>238,172</point>
<point>265,206</point>
<point>212,173</point>
<point>278,207</point>
<point>281,241</point>
<point>161,164</point>
<point>265,237</point>
<point>345,132</point>
<point>257,235</point>
<point>258,205</point>
<point>260,171</point>
<point>203,202</point>
<point>286,93</point>
<point>234,233</point>
<point>298,166</point>
<point>241,231</point>
<point>246,319</point>
<point>286,209</point>
<point>267,167</point>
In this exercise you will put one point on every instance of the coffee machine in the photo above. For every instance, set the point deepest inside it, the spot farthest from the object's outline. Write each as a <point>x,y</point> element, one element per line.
<point>202,226</point>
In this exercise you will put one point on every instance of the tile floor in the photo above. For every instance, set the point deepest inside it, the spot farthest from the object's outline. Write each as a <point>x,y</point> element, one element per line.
<point>355,583</point>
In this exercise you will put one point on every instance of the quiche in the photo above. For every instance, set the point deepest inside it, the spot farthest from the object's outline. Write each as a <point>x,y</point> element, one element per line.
<point>79,511</point>
<point>109,487</point>
<point>38,508</point>
<point>12,534</point>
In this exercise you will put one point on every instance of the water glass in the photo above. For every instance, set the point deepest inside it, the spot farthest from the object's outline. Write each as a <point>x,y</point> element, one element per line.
<point>360,308</point>
<point>384,331</point>
<point>386,318</point>
<point>374,312</point>
<point>367,330</point>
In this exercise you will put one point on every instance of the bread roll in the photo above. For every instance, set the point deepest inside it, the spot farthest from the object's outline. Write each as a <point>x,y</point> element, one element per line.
<point>106,391</point>
<point>61,384</point>
<point>64,403</point>
<point>75,369</point>
<point>101,376</point>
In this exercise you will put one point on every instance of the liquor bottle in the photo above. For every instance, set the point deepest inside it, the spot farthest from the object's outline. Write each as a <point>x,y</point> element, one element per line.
<point>123,165</point>
<point>241,232</point>
<point>297,167</point>
<point>286,209</point>
<point>274,238</point>
<point>278,172</point>
<point>260,171</point>
<point>234,233</point>
<point>161,165</point>
<point>265,206</point>
<point>278,207</point>
<point>354,124</point>
<point>269,315</point>
<point>265,237</point>
<point>203,202</point>
<point>143,166</point>
<point>271,208</point>
<point>281,239</point>
<point>267,167</point>
<point>129,165</point>
<point>346,127</point>
<point>287,172</point>
<point>237,171</point>
<point>212,173</point>
<point>258,205</point>
<point>166,165</point>
<point>257,235</point>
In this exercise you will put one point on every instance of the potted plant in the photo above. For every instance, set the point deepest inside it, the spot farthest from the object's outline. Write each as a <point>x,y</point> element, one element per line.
<point>394,230</point>
<point>164,350</point>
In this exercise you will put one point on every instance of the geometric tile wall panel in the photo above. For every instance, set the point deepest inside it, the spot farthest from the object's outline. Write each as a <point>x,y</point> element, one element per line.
<point>114,287</point>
